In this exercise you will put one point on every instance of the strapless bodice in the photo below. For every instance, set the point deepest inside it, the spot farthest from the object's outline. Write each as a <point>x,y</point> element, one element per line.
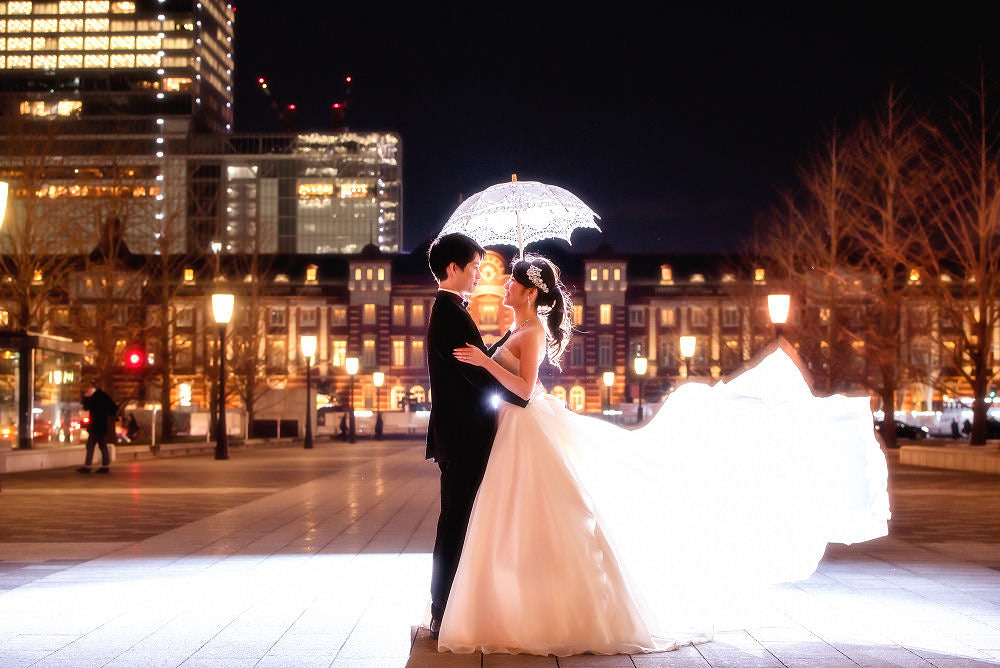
<point>511,362</point>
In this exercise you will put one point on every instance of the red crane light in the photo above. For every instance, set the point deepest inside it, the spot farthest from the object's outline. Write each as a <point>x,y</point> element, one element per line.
<point>291,107</point>
<point>336,105</point>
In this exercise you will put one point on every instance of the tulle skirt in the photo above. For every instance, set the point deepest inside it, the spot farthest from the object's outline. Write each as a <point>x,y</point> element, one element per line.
<point>586,537</point>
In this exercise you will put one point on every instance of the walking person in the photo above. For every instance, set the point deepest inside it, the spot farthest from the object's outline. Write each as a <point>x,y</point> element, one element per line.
<point>102,410</point>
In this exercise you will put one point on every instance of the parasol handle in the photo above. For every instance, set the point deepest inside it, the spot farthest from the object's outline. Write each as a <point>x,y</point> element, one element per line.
<point>520,246</point>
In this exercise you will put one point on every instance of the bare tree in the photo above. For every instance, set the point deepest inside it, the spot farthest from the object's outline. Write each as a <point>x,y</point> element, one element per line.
<point>959,250</point>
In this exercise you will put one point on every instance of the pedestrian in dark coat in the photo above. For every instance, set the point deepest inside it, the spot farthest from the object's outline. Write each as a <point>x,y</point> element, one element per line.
<point>102,410</point>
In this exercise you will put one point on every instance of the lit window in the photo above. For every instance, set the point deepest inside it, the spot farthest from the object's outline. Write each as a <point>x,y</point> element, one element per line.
<point>177,83</point>
<point>188,275</point>
<point>311,273</point>
<point>96,25</point>
<point>44,62</point>
<point>368,274</point>
<point>667,317</point>
<point>399,314</point>
<point>123,8</point>
<point>605,314</point>
<point>147,42</point>
<point>71,7</point>
<point>123,42</point>
<point>338,352</point>
<point>697,278</point>
<point>339,316</point>
<point>19,44</point>
<point>398,352</point>
<point>46,25</point>
<point>19,61</point>
<point>605,274</point>
<point>559,392</point>
<point>315,190</point>
<point>147,60</point>
<point>3,62</point>
<point>381,274</point>
<point>417,315</point>
<point>488,314</point>
<point>577,314</point>
<point>416,352</point>
<point>593,274</point>
<point>368,314</point>
<point>577,399</point>
<point>95,43</point>
<point>38,43</point>
<point>368,353</point>
<point>666,273</point>
<point>74,43</point>
<point>37,278</point>
<point>122,60</point>
<point>70,25</point>
<point>618,274</point>
<point>19,7</point>
<point>353,190</point>
<point>184,394</point>
<point>95,60</point>
<point>74,60</point>
<point>19,25</point>
<point>97,7</point>
<point>758,275</point>
<point>122,26</point>
<point>914,276</point>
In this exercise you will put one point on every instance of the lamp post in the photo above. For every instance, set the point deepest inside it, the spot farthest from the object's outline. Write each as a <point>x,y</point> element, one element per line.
<point>222,311</point>
<point>609,380</point>
<point>308,350</point>
<point>687,352</point>
<point>641,364</point>
<point>378,378</point>
<point>351,363</point>
<point>778,307</point>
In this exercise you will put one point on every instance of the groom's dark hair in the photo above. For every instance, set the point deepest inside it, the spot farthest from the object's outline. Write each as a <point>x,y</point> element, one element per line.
<point>456,248</point>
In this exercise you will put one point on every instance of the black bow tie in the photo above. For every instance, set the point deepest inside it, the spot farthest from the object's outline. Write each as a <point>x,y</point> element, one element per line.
<point>465,303</point>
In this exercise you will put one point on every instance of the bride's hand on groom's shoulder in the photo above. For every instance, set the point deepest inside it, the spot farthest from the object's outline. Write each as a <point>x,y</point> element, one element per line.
<point>470,354</point>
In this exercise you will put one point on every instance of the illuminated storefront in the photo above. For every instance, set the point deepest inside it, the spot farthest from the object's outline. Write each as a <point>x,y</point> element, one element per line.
<point>40,390</point>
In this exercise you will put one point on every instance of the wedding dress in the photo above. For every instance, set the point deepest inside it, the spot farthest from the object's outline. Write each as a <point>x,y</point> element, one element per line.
<point>586,537</point>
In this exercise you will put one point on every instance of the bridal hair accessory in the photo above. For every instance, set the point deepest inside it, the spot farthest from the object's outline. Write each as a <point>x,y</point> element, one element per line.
<point>535,275</point>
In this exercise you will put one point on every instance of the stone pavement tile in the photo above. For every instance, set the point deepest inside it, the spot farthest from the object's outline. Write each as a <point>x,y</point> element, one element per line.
<point>49,642</point>
<point>596,661</point>
<point>751,658</point>
<point>228,648</point>
<point>292,643</point>
<point>825,662</point>
<point>18,658</point>
<point>965,663</point>
<point>763,634</point>
<point>518,660</point>
<point>794,651</point>
<point>367,663</point>
<point>736,640</point>
<point>980,641</point>
<point>316,659</point>
<point>883,657</point>
<point>665,660</point>
<point>149,659</point>
<point>219,662</point>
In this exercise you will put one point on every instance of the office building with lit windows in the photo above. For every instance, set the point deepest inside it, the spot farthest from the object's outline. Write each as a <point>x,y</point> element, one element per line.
<point>97,98</point>
<point>310,193</point>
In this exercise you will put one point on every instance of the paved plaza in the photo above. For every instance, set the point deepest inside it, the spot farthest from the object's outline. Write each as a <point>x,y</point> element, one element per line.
<point>293,557</point>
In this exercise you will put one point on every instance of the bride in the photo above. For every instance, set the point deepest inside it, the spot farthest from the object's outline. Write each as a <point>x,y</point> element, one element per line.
<point>586,537</point>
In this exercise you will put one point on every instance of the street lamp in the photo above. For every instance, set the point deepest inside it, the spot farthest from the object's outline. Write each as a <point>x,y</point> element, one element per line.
<point>378,378</point>
<point>609,380</point>
<point>351,363</point>
<point>640,371</point>
<point>3,200</point>
<point>777,308</point>
<point>308,350</point>
<point>687,352</point>
<point>222,311</point>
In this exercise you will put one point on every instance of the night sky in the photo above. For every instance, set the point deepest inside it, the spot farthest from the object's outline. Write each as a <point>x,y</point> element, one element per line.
<point>678,130</point>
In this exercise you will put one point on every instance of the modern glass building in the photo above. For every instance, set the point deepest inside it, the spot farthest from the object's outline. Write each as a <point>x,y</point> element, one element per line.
<point>297,193</point>
<point>96,99</point>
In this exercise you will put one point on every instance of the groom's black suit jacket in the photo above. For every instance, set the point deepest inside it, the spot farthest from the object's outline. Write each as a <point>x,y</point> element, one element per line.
<point>463,419</point>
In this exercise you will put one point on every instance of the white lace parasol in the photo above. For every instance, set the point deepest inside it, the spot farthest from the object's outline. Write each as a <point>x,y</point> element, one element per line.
<point>520,212</point>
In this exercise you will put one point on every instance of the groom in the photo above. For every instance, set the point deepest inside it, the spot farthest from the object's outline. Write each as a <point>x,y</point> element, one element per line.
<point>463,419</point>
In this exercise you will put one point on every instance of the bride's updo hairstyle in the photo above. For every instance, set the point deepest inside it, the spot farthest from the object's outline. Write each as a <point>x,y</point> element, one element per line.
<point>553,303</point>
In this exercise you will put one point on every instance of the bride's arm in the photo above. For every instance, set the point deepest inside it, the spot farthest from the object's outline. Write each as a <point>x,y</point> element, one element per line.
<point>521,384</point>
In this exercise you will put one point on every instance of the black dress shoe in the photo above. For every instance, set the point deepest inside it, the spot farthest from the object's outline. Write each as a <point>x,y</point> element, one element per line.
<point>83,469</point>
<point>435,627</point>
<point>104,469</point>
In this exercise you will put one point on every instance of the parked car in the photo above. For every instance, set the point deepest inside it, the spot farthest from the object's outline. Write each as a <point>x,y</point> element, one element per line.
<point>904,430</point>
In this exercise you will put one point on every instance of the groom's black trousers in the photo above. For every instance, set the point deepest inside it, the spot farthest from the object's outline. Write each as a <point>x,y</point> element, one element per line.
<point>459,485</point>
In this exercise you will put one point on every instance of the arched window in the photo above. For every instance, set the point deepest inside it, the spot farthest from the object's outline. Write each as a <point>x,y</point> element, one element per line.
<point>417,393</point>
<point>559,392</point>
<point>396,395</point>
<point>577,399</point>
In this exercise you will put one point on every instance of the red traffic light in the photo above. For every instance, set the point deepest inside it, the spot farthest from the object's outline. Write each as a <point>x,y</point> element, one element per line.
<point>135,358</point>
